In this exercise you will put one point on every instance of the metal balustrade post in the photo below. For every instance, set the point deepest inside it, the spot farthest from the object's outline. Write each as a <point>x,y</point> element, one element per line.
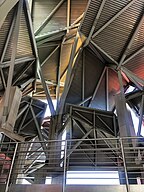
<point>65,168</point>
<point>124,163</point>
<point>11,168</point>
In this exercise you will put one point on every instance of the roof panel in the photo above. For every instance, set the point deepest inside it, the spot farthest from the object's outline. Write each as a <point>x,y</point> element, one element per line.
<point>89,17</point>
<point>136,65</point>
<point>24,47</point>
<point>77,8</point>
<point>115,36</point>
<point>111,8</point>
<point>41,9</point>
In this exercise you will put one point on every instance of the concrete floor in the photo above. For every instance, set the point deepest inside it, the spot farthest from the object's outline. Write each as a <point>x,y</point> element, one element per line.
<point>77,188</point>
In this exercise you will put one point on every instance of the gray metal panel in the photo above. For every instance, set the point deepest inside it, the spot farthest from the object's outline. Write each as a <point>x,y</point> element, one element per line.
<point>49,69</point>
<point>93,70</point>
<point>24,47</point>
<point>44,51</point>
<point>74,94</point>
<point>113,38</point>
<point>100,99</point>
<point>111,8</point>
<point>77,8</point>
<point>65,56</point>
<point>28,128</point>
<point>58,21</point>
<point>41,9</point>
<point>138,41</point>
<point>136,65</point>
<point>4,30</point>
<point>113,87</point>
<point>89,17</point>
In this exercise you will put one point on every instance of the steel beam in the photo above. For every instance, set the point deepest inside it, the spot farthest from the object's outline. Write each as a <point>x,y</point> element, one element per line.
<point>107,89</point>
<point>8,38</point>
<point>17,61</point>
<point>133,55</point>
<point>102,51</point>
<point>97,86</point>
<point>5,8</point>
<point>82,129</point>
<point>104,123</point>
<point>113,18</point>
<point>68,14</point>
<point>12,135</point>
<point>22,72</point>
<point>48,18</point>
<point>68,77</point>
<point>126,126</point>
<point>132,76</point>
<point>46,89</point>
<point>78,143</point>
<point>83,75</point>
<point>78,19</point>
<point>84,101</point>
<point>13,55</point>
<point>39,71</point>
<point>49,56</point>
<point>43,144</point>
<point>58,75</point>
<point>130,42</point>
<point>95,21</point>
<point>141,117</point>
<point>3,78</point>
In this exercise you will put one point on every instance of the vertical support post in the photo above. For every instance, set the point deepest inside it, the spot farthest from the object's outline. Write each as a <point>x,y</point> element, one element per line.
<point>125,122</point>
<point>58,76</point>
<point>68,76</point>
<point>46,89</point>
<point>114,124</point>
<point>65,168</point>
<point>124,162</point>
<point>141,117</point>
<point>68,14</point>
<point>107,90</point>
<point>83,77</point>
<point>11,168</point>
